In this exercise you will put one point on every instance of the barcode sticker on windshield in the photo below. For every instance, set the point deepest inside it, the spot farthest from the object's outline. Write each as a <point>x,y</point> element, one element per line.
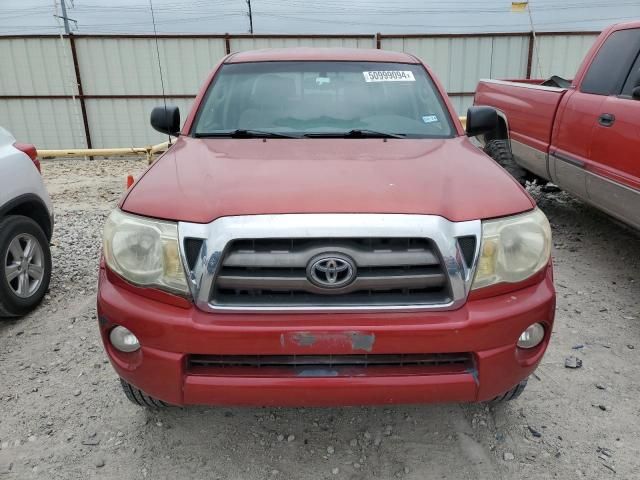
<point>389,76</point>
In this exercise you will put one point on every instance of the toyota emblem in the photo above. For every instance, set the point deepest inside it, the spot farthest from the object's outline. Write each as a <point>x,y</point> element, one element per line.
<point>331,270</point>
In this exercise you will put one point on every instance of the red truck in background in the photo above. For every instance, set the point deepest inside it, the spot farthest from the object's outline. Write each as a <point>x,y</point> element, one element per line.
<point>583,135</point>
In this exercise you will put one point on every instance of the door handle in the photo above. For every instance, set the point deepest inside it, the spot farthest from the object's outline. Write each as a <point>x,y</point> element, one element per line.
<point>606,119</point>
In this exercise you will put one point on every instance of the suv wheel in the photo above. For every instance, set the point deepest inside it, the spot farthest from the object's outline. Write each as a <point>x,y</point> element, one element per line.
<point>25,265</point>
<point>499,150</point>
<point>140,398</point>
<point>511,394</point>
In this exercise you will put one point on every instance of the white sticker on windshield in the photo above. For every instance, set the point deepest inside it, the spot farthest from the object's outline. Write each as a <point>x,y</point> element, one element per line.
<point>389,76</point>
<point>429,118</point>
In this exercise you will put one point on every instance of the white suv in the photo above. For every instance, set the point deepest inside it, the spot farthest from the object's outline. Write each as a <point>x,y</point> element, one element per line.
<point>26,225</point>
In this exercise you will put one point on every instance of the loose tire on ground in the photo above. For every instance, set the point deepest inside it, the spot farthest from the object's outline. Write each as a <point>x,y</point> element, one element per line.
<point>499,150</point>
<point>15,231</point>
<point>512,394</point>
<point>140,398</point>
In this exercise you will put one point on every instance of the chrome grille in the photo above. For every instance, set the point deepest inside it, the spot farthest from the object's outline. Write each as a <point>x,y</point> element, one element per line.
<point>274,272</point>
<point>204,246</point>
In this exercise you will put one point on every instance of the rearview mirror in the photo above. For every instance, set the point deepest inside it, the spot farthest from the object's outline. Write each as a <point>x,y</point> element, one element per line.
<point>166,120</point>
<point>481,120</point>
<point>635,93</point>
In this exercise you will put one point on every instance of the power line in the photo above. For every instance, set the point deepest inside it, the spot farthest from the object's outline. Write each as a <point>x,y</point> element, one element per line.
<point>155,33</point>
<point>298,14</point>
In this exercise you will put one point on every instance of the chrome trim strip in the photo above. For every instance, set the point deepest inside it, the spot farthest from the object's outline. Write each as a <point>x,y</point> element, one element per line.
<point>523,85</point>
<point>567,159</point>
<point>220,232</point>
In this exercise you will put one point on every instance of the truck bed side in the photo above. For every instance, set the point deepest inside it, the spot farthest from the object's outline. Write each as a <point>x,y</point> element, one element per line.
<point>530,110</point>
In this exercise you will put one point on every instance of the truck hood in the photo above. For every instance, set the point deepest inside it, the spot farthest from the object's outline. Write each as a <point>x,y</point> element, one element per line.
<point>199,180</point>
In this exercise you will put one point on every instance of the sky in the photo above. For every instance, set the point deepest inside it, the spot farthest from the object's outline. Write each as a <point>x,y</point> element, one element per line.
<point>312,16</point>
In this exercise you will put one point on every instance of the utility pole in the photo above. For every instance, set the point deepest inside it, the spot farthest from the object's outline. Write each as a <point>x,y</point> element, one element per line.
<point>64,17</point>
<point>250,17</point>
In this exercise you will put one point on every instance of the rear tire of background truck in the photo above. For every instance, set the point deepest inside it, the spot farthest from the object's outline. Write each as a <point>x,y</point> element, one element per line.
<point>512,394</point>
<point>25,265</point>
<point>499,150</point>
<point>140,398</point>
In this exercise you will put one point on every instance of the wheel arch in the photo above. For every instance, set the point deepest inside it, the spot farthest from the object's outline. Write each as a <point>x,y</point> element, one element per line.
<point>501,132</point>
<point>31,206</point>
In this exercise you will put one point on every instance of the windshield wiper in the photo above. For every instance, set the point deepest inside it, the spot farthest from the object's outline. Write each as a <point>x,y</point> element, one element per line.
<point>244,133</point>
<point>356,133</point>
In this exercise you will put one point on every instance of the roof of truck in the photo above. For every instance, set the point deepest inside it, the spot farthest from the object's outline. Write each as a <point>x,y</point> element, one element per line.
<point>321,54</point>
<point>626,25</point>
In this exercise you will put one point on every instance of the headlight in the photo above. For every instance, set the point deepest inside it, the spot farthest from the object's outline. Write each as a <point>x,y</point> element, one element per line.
<point>144,251</point>
<point>513,249</point>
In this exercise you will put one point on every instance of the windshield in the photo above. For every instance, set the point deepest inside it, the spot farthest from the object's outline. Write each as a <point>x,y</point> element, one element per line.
<point>314,99</point>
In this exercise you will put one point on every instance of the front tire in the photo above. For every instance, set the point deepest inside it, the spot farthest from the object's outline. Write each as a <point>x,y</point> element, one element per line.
<point>499,150</point>
<point>512,394</point>
<point>25,265</point>
<point>138,397</point>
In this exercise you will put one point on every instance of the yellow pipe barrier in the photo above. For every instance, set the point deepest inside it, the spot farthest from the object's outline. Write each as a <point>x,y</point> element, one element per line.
<point>92,152</point>
<point>149,152</point>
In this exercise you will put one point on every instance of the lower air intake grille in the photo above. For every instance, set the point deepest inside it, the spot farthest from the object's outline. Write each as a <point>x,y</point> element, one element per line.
<point>398,360</point>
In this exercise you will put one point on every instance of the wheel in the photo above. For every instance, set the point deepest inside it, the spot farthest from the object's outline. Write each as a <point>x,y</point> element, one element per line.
<point>513,393</point>
<point>499,150</point>
<point>140,398</point>
<point>25,265</point>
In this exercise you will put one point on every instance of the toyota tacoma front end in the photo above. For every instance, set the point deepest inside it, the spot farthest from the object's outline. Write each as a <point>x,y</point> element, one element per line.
<point>324,233</point>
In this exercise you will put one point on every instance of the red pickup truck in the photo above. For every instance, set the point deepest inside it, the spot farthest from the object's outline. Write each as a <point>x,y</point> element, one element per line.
<point>323,232</point>
<point>584,135</point>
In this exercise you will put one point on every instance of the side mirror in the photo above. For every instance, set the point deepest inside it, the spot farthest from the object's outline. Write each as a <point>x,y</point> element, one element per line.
<point>481,120</point>
<point>166,120</point>
<point>635,93</point>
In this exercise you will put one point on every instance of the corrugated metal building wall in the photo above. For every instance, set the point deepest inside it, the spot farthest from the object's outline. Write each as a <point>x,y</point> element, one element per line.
<point>461,61</point>
<point>37,90</point>
<point>98,90</point>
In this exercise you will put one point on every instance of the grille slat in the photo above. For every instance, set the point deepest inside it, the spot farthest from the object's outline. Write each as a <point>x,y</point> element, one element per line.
<point>363,282</point>
<point>299,259</point>
<point>389,271</point>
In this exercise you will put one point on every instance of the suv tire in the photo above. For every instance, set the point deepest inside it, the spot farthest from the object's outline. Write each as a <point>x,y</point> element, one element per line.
<point>511,394</point>
<point>499,150</point>
<point>140,398</point>
<point>24,279</point>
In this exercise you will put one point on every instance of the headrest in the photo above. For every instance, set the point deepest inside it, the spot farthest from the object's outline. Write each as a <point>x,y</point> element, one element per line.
<point>273,88</point>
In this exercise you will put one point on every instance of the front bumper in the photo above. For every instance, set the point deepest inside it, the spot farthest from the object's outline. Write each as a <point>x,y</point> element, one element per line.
<point>487,328</point>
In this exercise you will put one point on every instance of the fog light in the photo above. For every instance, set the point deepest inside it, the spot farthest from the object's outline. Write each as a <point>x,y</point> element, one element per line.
<point>124,340</point>
<point>532,336</point>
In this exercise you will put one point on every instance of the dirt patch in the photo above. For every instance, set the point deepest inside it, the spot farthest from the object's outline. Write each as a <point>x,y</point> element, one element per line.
<point>62,414</point>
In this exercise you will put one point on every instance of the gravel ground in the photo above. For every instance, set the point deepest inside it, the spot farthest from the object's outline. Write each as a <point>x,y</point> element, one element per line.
<point>63,416</point>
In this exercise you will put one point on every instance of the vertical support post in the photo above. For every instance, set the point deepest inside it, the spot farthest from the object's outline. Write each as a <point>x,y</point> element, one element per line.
<point>227,43</point>
<point>83,108</point>
<point>532,40</point>
<point>250,17</point>
<point>378,40</point>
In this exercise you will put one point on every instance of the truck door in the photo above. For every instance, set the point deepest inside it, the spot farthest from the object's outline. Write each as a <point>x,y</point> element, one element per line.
<point>571,159</point>
<point>613,182</point>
